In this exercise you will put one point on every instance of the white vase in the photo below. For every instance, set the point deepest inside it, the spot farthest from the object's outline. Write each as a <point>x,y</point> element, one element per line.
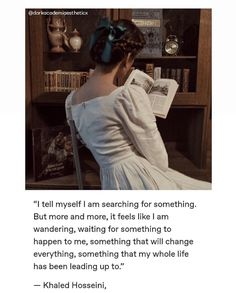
<point>75,41</point>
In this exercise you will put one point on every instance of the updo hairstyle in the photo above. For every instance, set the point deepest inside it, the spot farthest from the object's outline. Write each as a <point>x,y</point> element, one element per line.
<point>118,38</point>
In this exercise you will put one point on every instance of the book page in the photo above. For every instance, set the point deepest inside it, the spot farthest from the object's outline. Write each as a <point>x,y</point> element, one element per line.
<point>140,78</point>
<point>161,96</point>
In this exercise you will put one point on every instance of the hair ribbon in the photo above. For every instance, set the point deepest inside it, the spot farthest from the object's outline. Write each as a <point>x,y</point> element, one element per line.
<point>114,34</point>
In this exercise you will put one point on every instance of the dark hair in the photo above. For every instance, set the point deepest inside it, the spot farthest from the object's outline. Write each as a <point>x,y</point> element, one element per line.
<point>129,40</point>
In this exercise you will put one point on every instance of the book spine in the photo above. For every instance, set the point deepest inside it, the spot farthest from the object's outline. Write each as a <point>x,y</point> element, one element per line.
<point>150,69</point>
<point>185,86</point>
<point>56,81</point>
<point>50,73</point>
<point>178,78</point>
<point>77,80</point>
<point>157,73</point>
<point>70,81</point>
<point>64,81</point>
<point>59,81</point>
<point>167,73</point>
<point>163,73</point>
<point>173,73</point>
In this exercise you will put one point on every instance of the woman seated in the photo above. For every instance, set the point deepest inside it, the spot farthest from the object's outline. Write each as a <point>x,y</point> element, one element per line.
<point>117,123</point>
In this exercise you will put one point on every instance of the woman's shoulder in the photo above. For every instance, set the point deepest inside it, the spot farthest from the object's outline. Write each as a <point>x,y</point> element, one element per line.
<point>132,94</point>
<point>133,101</point>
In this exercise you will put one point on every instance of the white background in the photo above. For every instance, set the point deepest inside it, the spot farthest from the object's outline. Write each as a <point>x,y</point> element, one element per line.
<point>213,267</point>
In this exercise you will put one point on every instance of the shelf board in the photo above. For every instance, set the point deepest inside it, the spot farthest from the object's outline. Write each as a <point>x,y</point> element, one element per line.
<point>185,98</point>
<point>166,57</point>
<point>61,53</point>
<point>58,98</point>
<point>138,59</point>
<point>179,57</point>
<point>185,94</point>
<point>51,98</point>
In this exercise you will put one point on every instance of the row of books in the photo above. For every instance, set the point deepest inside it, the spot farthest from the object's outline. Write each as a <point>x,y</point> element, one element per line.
<point>64,81</point>
<point>181,75</point>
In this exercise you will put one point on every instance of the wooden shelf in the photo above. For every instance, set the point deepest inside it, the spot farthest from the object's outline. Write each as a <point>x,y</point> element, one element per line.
<point>61,53</point>
<point>185,98</point>
<point>58,99</point>
<point>51,99</point>
<point>167,57</point>
<point>78,53</point>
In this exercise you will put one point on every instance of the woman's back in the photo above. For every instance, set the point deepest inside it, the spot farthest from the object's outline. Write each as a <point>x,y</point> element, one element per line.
<point>120,131</point>
<point>113,138</point>
<point>93,88</point>
<point>101,128</point>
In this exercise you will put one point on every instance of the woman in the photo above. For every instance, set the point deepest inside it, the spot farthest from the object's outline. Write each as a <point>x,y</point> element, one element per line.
<point>117,123</point>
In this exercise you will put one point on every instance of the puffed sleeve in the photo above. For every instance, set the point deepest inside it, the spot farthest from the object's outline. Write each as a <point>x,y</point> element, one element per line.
<point>134,110</point>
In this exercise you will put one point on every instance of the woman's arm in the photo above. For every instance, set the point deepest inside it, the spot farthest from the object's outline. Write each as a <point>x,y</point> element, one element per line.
<point>134,109</point>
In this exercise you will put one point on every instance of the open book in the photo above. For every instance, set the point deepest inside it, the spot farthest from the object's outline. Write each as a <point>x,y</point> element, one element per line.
<point>161,91</point>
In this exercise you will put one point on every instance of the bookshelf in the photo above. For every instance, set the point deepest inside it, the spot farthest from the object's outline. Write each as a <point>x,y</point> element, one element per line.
<point>188,122</point>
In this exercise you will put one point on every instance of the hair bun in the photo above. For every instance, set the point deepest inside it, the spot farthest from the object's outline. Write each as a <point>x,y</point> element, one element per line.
<point>112,41</point>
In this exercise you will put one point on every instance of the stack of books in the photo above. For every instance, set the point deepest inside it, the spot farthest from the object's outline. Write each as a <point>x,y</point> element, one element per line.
<point>181,75</point>
<point>64,81</point>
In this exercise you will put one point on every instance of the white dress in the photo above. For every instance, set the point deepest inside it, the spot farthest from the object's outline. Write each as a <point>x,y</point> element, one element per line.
<point>121,132</point>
